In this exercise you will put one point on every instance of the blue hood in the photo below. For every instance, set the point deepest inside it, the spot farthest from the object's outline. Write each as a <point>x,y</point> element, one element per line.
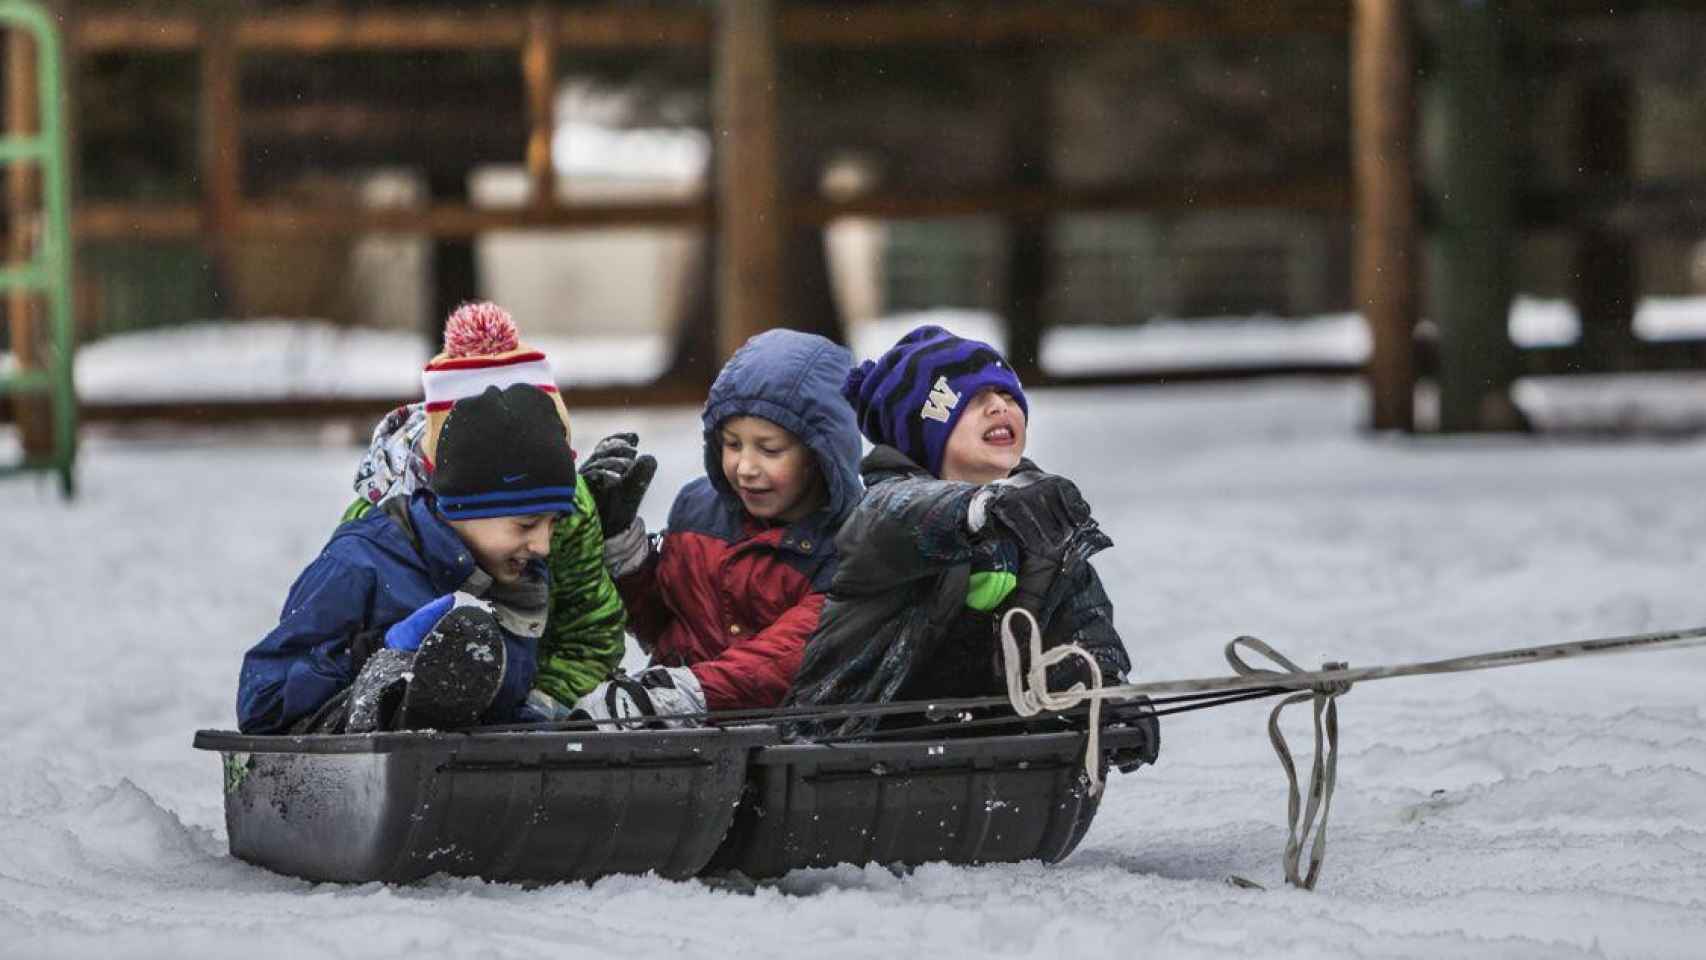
<point>793,380</point>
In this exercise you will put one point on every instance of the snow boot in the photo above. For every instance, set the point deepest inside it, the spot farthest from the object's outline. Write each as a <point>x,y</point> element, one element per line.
<point>378,691</point>
<point>457,672</point>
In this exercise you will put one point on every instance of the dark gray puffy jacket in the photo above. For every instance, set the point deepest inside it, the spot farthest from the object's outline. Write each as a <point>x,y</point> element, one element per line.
<point>897,626</point>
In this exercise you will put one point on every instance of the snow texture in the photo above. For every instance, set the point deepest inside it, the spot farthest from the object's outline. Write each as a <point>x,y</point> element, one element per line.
<point>1556,810</point>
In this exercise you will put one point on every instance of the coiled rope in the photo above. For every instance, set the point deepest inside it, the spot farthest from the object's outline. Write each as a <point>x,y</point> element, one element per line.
<point>1029,693</point>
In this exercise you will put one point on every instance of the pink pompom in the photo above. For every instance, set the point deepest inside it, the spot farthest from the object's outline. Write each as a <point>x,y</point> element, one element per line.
<point>480,329</point>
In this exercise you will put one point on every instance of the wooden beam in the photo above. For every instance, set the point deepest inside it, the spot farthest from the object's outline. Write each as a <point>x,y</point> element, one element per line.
<point>454,220</point>
<point>107,220</point>
<point>539,77</point>
<point>328,31</point>
<point>1384,269</point>
<point>628,28</point>
<point>898,24</point>
<point>219,132</point>
<point>136,221</point>
<point>1329,192</point>
<point>748,170</point>
<point>127,221</point>
<point>619,27</point>
<point>585,29</point>
<point>120,31</point>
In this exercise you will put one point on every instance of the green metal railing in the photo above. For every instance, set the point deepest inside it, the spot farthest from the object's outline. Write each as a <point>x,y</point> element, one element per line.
<point>48,271</point>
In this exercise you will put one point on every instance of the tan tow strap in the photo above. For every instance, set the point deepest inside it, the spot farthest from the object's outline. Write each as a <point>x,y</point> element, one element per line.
<point>1323,776</point>
<point>1029,694</point>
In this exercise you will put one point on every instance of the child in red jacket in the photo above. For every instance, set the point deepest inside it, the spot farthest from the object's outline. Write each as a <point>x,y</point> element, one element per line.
<point>726,597</point>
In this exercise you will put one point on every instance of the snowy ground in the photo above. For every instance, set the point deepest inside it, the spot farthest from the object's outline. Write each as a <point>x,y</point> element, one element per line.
<point>1547,811</point>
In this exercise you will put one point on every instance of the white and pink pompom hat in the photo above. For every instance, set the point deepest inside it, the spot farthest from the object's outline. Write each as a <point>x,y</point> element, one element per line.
<point>482,348</point>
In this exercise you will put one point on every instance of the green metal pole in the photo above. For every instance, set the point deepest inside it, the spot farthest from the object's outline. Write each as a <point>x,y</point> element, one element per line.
<point>50,270</point>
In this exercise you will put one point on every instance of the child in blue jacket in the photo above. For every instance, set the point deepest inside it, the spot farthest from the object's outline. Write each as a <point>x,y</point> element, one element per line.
<point>428,612</point>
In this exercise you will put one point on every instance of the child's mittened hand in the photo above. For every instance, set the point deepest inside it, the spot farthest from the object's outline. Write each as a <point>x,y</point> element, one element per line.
<point>407,633</point>
<point>653,698</point>
<point>617,474</point>
<point>1040,515</point>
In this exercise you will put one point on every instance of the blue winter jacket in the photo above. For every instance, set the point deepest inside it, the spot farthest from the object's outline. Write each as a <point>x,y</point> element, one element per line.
<point>370,575</point>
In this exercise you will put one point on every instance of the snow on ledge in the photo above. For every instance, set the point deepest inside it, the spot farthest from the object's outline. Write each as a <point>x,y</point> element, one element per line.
<point>311,358</point>
<point>278,358</point>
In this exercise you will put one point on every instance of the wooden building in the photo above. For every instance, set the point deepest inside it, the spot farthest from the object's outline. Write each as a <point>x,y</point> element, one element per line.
<point>1119,158</point>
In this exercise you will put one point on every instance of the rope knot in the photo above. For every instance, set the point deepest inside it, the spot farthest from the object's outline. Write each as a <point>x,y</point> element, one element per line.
<point>1333,687</point>
<point>1029,694</point>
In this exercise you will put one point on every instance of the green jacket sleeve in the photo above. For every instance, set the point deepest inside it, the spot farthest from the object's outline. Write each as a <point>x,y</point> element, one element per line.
<point>584,633</point>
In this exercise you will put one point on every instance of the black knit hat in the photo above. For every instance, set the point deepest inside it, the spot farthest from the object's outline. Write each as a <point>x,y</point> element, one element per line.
<point>504,453</point>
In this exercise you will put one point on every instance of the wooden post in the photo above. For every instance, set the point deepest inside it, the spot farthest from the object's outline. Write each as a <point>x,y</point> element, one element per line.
<point>1029,136</point>
<point>539,72</point>
<point>455,268</point>
<point>1606,273</point>
<point>1473,246</point>
<point>751,215</point>
<point>1383,166</point>
<point>33,412</point>
<point>220,154</point>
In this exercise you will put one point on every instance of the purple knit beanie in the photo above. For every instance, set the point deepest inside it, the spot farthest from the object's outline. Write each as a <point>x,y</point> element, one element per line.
<point>910,397</point>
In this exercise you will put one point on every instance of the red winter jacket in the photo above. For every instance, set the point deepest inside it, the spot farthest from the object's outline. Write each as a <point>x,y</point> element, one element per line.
<point>731,597</point>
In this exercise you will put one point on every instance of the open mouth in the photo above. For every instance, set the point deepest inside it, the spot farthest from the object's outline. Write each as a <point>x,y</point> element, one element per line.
<point>1000,435</point>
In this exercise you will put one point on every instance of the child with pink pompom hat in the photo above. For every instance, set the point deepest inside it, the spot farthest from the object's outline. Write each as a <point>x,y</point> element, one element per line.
<point>485,454</point>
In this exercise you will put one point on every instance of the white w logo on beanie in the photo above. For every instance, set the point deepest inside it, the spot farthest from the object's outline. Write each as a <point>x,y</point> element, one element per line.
<point>941,402</point>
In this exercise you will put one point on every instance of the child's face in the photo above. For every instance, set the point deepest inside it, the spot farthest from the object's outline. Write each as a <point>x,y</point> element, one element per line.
<point>773,473</point>
<point>988,440</point>
<point>503,546</point>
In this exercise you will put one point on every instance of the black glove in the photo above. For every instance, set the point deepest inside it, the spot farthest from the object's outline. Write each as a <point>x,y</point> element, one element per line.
<point>618,475</point>
<point>1040,515</point>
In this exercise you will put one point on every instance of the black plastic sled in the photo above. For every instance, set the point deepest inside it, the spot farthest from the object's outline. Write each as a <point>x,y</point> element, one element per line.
<point>997,799</point>
<point>550,806</point>
<point>533,806</point>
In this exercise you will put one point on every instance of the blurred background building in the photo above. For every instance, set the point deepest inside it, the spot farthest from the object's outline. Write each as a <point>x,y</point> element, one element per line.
<point>1455,193</point>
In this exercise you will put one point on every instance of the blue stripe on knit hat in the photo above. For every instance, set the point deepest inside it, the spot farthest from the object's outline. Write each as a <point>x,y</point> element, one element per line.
<point>911,397</point>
